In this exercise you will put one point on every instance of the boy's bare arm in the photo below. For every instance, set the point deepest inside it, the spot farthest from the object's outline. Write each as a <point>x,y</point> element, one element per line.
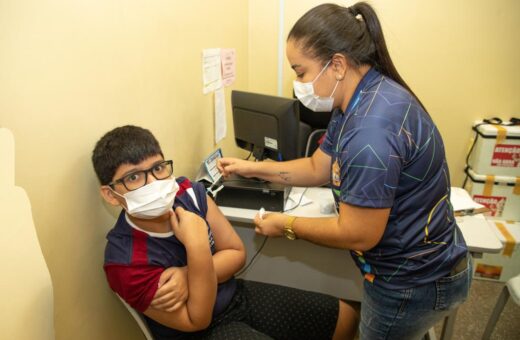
<point>228,259</point>
<point>230,253</point>
<point>196,313</point>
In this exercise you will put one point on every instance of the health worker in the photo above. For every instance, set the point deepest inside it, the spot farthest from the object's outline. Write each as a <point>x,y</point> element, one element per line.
<point>385,161</point>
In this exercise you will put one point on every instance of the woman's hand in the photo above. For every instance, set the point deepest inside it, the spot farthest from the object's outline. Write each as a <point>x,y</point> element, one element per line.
<point>270,224</point>
<point>228,166</point>
<point>173,289</point>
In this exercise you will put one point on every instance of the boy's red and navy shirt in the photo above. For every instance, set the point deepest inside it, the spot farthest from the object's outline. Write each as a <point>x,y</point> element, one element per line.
<point>135,259</point>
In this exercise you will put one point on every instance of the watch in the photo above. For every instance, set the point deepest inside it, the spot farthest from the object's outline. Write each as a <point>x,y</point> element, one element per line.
<point>288,230</point>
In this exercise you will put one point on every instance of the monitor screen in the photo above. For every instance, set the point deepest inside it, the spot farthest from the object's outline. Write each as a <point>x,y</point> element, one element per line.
<point>268,126</point>
<point>316,120</point>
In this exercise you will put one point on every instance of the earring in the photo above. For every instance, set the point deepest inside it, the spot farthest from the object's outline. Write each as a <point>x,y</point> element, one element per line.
<point>338,77</point>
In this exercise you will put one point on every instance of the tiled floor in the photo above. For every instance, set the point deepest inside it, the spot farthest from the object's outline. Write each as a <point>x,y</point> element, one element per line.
<point>473,315</point>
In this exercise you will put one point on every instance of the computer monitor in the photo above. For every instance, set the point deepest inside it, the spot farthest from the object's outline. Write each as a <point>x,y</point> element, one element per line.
<point>316,120</point>
<point>268,126</point>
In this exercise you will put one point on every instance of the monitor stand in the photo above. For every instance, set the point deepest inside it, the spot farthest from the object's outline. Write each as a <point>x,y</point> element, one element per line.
<point>252,193</point>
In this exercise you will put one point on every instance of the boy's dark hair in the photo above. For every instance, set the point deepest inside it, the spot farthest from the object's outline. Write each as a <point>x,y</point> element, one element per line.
<point>123,145</point>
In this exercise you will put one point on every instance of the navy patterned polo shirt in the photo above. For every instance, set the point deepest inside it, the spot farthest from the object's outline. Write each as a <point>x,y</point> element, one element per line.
<point>386,152</point>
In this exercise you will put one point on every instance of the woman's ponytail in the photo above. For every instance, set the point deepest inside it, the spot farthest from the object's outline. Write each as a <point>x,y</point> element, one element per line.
<point>382,60</point>
<point>354,31</point>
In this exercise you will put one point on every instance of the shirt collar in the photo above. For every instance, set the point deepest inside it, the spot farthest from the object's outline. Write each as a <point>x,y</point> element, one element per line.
<point>150,233</point>
<point>365,81</point>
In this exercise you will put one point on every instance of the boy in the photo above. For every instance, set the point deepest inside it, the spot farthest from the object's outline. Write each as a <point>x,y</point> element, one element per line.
<point>177,266</point>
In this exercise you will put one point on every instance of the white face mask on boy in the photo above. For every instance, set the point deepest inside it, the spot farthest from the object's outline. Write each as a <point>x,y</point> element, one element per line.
<point>305,93</point>
<point>151,200</point>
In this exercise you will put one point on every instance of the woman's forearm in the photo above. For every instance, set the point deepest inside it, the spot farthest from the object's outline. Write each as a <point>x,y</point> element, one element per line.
<point>355,228</point>
<point>298,172</point>
<point>326,231</point>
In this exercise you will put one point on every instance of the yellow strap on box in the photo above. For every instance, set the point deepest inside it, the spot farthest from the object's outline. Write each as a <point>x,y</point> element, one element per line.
<point>516,189</point>
<point>501,133</point>
<point>509,245</point>
<point>488,186</point>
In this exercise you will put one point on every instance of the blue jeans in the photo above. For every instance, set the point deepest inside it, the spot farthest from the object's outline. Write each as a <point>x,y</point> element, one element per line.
<point>409,313</point>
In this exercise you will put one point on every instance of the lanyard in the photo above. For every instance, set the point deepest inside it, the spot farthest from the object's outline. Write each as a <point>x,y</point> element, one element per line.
<point>350,108</point>
<point>370,76</point>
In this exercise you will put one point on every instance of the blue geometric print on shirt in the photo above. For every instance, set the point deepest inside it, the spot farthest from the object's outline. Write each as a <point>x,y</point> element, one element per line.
<point>391,155</point>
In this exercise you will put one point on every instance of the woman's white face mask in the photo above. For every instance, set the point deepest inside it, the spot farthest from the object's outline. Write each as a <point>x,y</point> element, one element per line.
<point>305,93</point>
<point>152,200</point>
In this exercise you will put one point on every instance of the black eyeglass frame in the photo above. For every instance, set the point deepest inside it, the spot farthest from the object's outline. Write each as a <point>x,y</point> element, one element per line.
<point>168,164</point>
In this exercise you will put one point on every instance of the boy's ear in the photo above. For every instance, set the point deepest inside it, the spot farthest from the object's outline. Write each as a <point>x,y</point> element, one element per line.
<point>108,195</point>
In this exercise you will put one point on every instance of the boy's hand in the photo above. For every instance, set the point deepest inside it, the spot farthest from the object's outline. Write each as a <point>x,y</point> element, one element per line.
<point>270,224</point>
<point>173,289</point>
<point>188,226</point>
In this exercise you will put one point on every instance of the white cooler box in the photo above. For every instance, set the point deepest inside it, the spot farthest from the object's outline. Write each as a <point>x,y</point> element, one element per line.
<point>506,264</point>
<point>501,194</point>
<point>496,151</point>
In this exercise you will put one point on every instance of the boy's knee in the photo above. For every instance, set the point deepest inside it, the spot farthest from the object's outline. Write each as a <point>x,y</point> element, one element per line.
<point>347,324</point>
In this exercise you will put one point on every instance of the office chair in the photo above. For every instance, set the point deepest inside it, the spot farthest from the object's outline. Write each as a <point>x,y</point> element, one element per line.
<point>139,319</point>
<point>512,288</point>
<point>304,131</point>
<point>313,141</point>
<point>312,127</point>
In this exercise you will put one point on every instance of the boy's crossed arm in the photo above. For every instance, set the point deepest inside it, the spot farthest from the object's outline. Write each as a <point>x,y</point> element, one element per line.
<point>173,289</point>
<point>229,258</point>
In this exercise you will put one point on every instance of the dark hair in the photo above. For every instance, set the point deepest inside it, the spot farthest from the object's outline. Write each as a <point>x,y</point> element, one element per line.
<point>123,145</point>
<point>354,32</point>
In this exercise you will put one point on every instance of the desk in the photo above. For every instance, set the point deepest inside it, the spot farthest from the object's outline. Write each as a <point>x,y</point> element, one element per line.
<point>479,236</point>
<point>479,239</point>
<point>303,265</point>
<point>298,263</point>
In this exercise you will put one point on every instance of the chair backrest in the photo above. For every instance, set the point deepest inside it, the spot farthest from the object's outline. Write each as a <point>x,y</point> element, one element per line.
<point>313,141</point>
<point>26,286</point>
<point>513,285</point>
<point>139,319</point>
<point>304,131</point>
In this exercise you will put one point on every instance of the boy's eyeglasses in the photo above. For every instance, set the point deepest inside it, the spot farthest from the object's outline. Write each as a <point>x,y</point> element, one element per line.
<point>138,179</point>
